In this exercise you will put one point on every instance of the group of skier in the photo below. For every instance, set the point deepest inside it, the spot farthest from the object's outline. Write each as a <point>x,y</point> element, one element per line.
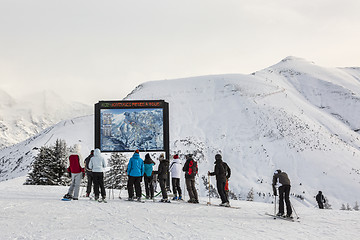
<point>137,169</point>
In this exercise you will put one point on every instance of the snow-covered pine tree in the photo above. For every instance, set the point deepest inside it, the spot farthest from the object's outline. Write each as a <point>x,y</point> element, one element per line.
<point>49,166</point>
<point>327,205</point>
<point>116,177</point>
<point>213,192</point>
<point>250,196</point>
<point>343,207</point>
<point>348,207</point>
<point>356,207</point>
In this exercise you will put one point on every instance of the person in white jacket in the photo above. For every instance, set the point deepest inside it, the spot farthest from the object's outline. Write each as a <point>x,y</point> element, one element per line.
<point>175,171</point>
<point>97,164</point>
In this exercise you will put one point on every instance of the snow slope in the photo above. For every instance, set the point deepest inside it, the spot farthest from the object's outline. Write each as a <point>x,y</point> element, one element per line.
<point>36,212</point>
<point>293,116</point>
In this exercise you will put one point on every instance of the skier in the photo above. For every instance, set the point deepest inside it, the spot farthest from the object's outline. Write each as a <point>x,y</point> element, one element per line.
<point>135,171</point>
<point>148,176</point>
<point>88,173</point>
<point>163,173</point>
<point>175,170</point>
<point>320,200</point>
<point>97,165</point>
<point>282,180</point>
<point>76,168</point>
<point>222,173</point>
<point>190,168</point>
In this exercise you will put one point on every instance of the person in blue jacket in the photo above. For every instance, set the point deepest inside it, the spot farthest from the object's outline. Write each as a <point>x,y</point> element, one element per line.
<point>135,171</point>
<point>148,177</point>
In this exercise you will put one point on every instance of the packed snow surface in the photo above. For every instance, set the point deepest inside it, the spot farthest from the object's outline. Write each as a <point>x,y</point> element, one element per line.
<point>36,212</point>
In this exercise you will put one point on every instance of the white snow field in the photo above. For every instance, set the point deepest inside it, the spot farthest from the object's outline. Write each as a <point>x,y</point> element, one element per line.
<point>36,212</point>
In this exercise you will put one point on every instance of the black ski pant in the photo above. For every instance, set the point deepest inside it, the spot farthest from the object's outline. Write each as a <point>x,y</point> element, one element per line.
<point>98,178</point>
<point>284,194</point>
<point>321,205</point>
<point>134,181</point>
<point>176,186</point>
<point>162,182</point>
<point>190,186</point>
<point>89,182</point>
<point>220,184</point>
<point>149,187</point>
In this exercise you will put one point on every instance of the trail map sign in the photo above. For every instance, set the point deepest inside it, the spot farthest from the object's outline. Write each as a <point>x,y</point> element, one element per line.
<point>124,126</point>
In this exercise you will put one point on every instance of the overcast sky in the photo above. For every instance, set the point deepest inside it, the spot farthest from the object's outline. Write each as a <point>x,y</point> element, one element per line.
<point>89,50</point>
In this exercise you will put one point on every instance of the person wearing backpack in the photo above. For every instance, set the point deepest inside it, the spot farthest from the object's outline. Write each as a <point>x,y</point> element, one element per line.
<point>221,172</point>
<point>190,168</point>
<point>163,172</point>
<point>148,176</point>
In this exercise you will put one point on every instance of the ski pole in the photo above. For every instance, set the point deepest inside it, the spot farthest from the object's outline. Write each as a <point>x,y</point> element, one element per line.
<point>209,202</point>
<point>297,216</point>
<point>275,206</point>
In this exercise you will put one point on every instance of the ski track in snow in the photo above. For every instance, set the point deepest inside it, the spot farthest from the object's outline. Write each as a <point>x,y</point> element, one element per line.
<point>36,212</point>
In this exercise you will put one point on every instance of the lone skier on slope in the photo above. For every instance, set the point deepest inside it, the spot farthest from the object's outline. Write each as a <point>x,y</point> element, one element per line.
<point>282,180</point>
<point>320,200</point>
<point>222,173</point>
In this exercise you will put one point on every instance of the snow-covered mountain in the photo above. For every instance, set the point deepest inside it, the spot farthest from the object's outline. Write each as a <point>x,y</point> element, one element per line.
<point>295,116</point>
<point>25,117</point>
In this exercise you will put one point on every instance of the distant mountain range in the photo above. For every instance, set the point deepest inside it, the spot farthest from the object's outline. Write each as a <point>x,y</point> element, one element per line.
<point>294,116</point>
<point>23,118</point>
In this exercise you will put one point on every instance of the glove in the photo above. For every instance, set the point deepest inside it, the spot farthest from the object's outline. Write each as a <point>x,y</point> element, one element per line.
<point>83,175</point>
<point>275,193</point>
<point>69,174</point>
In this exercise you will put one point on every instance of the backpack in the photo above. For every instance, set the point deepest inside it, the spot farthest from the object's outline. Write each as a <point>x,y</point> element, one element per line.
<point>227,170</point>
<point>193,168</point>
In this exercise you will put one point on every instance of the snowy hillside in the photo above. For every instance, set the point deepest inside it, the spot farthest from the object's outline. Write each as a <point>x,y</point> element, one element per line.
<point>293,116</point>
<point>36,212</point>
<point>25,117</point>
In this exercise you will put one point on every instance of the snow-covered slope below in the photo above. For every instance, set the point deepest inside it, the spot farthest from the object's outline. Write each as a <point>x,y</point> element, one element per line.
<point>36,212</point>
<point>25,117</point>
<point>271,119</point>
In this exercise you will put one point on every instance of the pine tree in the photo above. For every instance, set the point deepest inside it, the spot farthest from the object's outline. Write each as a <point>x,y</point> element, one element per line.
<point>116,177</point>
<point>356,207</point>
<point>49,166</point>
<point>343,207</point>
<point>327,205</point>
<point>250,196</point>
<point>213,192</point>
<point>348,207</point>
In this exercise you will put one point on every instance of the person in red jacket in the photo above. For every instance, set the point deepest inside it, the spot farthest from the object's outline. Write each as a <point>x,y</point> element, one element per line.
<point>76,168</point>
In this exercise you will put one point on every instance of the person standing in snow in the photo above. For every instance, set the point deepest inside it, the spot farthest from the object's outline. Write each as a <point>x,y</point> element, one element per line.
<point>282,180</point>
<point>190,168</point>
<point>222,173</point>
<point>320,199</point>
<point>175,170</point>
<point>148,176</point>
<point>76,168</point>
<point>135,171</point>
<point>88,173</point>
<point>163,173</point>
<point>97,164</point>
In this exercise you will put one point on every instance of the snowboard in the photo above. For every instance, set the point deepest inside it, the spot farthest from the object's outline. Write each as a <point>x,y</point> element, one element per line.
<point>65,199</point>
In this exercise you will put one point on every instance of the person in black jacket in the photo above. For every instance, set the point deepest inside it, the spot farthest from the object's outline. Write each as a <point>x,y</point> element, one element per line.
<point>163,173</point>
<point>88,173</point>
<point>190,168</point>
<point>222,174</point>
<point>282,180</point>
<point>320,200</point>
